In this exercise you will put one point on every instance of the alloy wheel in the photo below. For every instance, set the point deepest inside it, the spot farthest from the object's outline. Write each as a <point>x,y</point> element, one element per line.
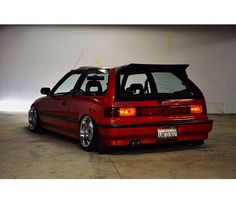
<point>86,131</point>
<point>32,118</point>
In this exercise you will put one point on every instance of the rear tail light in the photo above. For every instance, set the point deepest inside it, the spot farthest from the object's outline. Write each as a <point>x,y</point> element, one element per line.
<point>119,112</point>
<point>127,111</point>
<point>196,109</point>
<point>154,111</point>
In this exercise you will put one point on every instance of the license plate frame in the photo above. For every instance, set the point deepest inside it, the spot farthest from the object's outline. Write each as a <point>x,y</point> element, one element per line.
<point>167,133</point>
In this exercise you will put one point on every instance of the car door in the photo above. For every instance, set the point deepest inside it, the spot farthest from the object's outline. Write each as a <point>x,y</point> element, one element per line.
<point>56,105</point>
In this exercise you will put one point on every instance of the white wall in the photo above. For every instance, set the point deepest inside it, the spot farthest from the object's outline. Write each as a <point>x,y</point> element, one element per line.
<point>36,56</point>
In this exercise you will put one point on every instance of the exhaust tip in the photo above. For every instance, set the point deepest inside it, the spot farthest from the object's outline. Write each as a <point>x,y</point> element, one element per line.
<point>134,143</point>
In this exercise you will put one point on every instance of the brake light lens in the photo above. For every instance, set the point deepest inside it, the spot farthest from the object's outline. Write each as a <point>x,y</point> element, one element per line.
<point>196,109</point>
<point>114,112</point>
<point>127,112</point>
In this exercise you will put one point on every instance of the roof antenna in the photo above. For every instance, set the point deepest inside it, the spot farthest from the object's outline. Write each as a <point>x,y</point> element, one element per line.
<point>77,61</point>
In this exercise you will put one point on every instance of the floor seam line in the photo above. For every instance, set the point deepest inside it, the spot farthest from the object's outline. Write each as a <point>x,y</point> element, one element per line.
<point>115,166</point>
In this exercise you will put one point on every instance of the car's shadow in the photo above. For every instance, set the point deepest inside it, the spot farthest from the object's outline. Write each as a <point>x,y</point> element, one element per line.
<point>124,150</point>
<point>154,148</point>
<point>47,135</point>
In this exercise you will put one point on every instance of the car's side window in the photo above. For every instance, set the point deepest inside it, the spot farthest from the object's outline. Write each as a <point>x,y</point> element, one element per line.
<point>68,85</point>
<point>95,83</point>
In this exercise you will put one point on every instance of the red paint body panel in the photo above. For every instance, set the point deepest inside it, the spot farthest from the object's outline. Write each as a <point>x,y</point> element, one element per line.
<point>74,107</point>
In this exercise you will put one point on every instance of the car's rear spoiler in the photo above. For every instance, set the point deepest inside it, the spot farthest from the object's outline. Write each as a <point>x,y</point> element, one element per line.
<point>158,66</point>
<point>177,68</point>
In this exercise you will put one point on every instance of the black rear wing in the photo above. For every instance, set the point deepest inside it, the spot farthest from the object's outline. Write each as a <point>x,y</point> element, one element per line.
<point>177,68</point>
<point>166,67</point>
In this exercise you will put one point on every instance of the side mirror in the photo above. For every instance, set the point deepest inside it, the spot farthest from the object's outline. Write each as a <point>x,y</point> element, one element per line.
<point>45,90</point>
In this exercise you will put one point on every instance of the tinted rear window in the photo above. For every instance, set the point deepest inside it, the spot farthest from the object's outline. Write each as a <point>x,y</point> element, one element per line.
<point>153,85</point>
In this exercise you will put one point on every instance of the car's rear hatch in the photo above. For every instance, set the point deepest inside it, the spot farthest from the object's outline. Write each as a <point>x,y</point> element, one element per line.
<point>149,93</point>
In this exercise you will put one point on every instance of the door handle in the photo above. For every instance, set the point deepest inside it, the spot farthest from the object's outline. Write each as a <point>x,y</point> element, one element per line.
<point>64,102</point>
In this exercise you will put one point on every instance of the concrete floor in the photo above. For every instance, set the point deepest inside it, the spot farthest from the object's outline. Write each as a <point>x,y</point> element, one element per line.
<point>27,155</point>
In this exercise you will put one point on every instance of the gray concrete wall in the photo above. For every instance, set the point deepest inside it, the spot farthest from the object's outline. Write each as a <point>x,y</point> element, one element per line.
<point>36,56</point>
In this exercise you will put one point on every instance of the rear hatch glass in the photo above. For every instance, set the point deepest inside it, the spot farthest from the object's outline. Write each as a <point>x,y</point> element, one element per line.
<point>163,82</point>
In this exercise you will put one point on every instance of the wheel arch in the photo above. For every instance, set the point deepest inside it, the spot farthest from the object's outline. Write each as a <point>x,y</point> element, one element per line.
<point>85,114</point>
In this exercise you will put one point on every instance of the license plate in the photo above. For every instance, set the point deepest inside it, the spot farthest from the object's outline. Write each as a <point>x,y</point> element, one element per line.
<point>167,133</point>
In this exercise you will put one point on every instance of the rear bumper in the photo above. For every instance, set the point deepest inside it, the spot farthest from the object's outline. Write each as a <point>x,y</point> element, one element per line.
<point>121,134</point>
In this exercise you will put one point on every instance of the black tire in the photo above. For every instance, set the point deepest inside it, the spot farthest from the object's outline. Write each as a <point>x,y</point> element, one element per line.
<point>88,140</point>
<point>197,142</point>
<point>35,124</point>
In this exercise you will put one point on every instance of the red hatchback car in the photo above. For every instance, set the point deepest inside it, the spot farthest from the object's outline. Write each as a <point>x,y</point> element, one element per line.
<point>132,104</point>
